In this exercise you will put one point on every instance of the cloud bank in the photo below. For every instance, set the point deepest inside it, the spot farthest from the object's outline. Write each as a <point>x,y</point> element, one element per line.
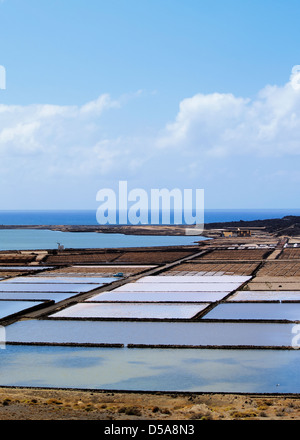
<point>221,125</point>
<point>85,141</point>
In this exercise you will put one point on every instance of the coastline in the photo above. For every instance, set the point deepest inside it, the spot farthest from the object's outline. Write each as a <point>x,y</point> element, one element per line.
<point>107,229</point>
<point>288,225</point>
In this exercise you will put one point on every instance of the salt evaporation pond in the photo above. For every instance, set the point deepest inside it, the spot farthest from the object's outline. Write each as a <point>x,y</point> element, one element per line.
<point>130,310</point>
<point>232,371</point>
<point>61,280</point>
<point>36,287</point>
<point>42,296</point>
<point>250,311</point>
<point>177,287</point>
<point>54,331</point>
<point>159,296</point>
<point>194,279</point>
<point>8,308</point>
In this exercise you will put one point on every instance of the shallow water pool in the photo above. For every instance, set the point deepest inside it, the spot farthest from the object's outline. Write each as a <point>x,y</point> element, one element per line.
<point>151,333</point>
<point>202,370</point>
<point>263,311</point>
<point>8,308</point>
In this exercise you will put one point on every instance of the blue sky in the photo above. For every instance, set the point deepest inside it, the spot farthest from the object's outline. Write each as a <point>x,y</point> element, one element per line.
<point>161,93</point>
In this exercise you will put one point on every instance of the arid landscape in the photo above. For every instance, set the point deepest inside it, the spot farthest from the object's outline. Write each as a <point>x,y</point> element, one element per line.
<point>37,404</point>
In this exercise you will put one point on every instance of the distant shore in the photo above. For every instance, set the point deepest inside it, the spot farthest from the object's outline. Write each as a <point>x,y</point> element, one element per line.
<point>289,225</point>
<point>108,229</point>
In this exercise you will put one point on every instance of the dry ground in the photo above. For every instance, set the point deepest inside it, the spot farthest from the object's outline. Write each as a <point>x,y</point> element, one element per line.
<point>41,404</point>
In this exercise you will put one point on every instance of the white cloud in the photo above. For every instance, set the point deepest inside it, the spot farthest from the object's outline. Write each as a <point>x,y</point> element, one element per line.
<point>221,125</point>
<point>104,102</point>
<point>93,141</point>
<point>52,139</point>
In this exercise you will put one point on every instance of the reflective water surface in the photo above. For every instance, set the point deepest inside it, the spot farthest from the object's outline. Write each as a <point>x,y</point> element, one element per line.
<point>11,307</point>
<point>131,310</point>
<point>151,333</point>
<point>159,296</point>
<point>281,311</point>
<point>259,371</point>
<point>36,287</point>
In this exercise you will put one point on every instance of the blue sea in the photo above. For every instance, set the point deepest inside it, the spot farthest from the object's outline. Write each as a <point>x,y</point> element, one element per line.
<point>23,239</point>
<point>88,217</point>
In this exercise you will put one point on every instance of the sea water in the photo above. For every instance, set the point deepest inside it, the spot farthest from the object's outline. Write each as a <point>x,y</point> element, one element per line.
<point>31,239</point>
<point>22,239</point>
<point>88,217</point>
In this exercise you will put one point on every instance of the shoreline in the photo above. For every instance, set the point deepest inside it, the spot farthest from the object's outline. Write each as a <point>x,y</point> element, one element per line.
<point>107,229</point>
<point>285,226</point>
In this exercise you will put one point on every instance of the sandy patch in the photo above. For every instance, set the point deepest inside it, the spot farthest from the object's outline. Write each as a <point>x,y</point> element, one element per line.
<point>41,404</point>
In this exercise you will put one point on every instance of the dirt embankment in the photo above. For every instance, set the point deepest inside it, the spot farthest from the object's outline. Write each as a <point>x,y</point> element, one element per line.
<point>41,404</point>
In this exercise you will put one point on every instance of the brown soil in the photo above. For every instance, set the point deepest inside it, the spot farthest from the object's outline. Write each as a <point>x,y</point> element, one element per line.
<point>193,268</point>
<point>235,254</point>
<point>290,254</point>
<point>45,404</point>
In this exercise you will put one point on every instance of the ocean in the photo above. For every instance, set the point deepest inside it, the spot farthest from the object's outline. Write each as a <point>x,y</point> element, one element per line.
<point>88,217</point>
<point>22,239</point>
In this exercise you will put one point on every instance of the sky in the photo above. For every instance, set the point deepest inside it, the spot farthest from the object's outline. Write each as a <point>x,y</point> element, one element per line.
<point>159,93</point>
